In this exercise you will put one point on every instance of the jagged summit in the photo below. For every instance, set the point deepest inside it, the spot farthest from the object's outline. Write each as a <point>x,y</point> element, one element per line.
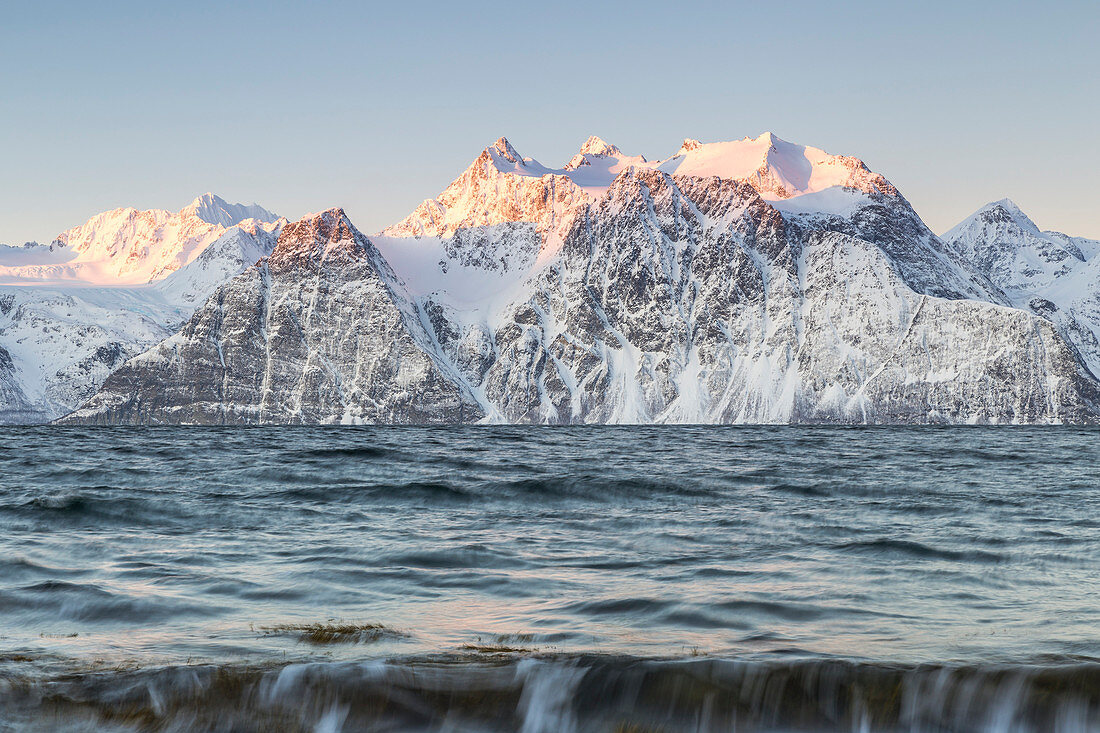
<point>778,169</point>
<point>688,145</point>
<point>502,186</point>
<point>213,209</point>
<point>319,228</point>
<point>1005,203</point>
<point>603,160</point>
<point>318,237</point>
<point>502,149</point>
<point>1001,220</point>
<point>598,146</point>
<point>1008,212</point>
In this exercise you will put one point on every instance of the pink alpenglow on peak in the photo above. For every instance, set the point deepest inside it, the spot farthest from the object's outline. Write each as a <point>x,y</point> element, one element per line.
<point>502,186</point>
<point>597,163</point>
<point>776,168</point>
<point>598,146</point>
<point>131,247</point>
<point>504,155</point>
<point>688,145</point>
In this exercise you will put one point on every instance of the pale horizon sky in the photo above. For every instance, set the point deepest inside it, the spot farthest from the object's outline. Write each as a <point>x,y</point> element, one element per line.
<point>300,107</point>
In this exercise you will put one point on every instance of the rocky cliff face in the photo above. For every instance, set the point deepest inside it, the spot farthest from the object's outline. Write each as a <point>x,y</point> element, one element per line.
<point>316,333</point>
<point>1053,275</point>
<point>61,344</point>
<point>693,300</point>
<point>617,290</point>
<point>16,408</point>
<point>63,335</point>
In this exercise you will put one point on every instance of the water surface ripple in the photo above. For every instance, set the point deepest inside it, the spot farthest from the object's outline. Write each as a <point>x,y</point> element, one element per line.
<point>597,557</point>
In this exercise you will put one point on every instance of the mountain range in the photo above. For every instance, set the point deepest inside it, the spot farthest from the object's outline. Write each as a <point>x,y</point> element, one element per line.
<point>74,310</point>
<point>747,281</point>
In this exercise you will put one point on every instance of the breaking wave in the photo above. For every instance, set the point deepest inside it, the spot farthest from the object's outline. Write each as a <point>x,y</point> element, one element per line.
<point>539,693</point>
<point>626,579</point>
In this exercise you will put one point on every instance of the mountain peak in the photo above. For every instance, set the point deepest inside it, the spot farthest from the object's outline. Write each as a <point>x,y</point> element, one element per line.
<point>769,138</point>
<point>995,225</point>
<point>503,149</point>
<point>598,154</point>
<point>319,237</point>
<point>688,145</point>
<point>209,199</point>
<point>598,146</point>
<point>1005,210</point>
<point>330,225</point>
<point>332,222</point>
<point>1007,204</point>
<point>213,209</point>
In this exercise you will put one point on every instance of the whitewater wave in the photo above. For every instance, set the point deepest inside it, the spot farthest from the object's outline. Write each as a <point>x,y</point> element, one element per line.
<point>561,693</point>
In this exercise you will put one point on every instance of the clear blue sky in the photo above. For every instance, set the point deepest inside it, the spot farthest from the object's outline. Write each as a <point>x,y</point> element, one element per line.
<point>302,106</point>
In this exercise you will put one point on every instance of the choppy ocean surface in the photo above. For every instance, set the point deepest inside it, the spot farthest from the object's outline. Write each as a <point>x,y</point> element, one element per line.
<point>535,579</point>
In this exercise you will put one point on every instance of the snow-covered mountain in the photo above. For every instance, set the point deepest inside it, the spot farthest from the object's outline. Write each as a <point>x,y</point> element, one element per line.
<point>130,247</point>
<point>315,333</point>
<point>522,189</point>
<point>217,211</point>
<point>1051,274</point>
<point>62,343</point>
<point>73,311</point>
<point>750,281</point>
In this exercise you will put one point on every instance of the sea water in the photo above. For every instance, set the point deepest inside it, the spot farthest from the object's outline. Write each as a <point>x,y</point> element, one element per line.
<point>550,579</point>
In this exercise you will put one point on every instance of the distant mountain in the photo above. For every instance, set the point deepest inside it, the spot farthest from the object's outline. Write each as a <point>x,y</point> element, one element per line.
<point>315,333</point>
<point>749,281</point>
<point>130,247</point>
<point>1051,274</point>
<point>73,311</point>
<point>216,210</point>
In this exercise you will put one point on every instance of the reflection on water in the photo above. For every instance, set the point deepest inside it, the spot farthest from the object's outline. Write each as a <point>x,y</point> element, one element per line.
<point>872,569</point>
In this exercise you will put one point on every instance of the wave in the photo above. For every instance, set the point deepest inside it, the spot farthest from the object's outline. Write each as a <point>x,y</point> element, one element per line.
<point>490,691</point>
<point>920,551</point>
<point>362,451</point>
<point>94,505</point>
<point>65,601</point>
<point>407,491</point>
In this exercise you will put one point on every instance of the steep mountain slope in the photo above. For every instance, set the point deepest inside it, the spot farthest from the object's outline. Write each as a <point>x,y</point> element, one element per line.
<point>62,344</point>
<point>1051,274</point>
<point>61,336</point>
<point>754,281</point>
<point>694,300</point>
<point>805,184</point>
<point>316,333</point>
<point>241,246</point>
